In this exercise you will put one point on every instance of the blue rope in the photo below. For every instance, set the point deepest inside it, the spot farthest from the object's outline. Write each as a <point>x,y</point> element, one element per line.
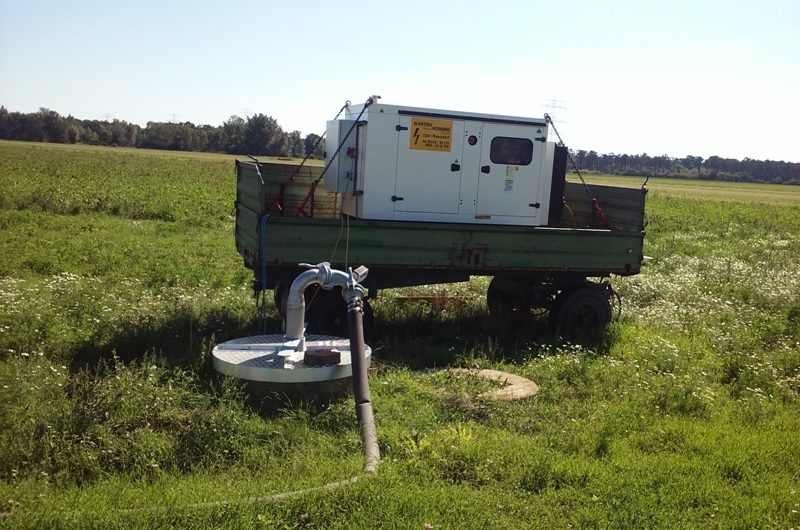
<point>262,246</point>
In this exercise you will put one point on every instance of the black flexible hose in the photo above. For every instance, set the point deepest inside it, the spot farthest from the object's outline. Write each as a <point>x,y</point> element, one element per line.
<point>366,420</point>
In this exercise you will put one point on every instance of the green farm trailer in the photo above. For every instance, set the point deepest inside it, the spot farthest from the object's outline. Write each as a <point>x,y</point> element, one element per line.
<point>283,219</point>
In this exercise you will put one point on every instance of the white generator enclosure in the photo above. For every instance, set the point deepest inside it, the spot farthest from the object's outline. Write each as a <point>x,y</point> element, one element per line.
<point>414,164</point>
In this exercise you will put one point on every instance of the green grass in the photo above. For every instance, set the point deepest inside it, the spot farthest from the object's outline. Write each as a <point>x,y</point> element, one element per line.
<point>744,192</point>
<point>118,273</point>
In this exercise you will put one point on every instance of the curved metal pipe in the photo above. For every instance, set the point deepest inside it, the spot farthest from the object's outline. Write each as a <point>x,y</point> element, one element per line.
<point>296,303</point>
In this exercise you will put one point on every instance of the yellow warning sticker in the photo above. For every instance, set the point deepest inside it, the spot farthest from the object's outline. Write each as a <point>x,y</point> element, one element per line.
<point>430,135</point>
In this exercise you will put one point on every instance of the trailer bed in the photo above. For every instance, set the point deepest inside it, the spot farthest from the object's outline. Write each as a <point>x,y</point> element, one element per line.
<point>283,219</point>
<point>394,251</point>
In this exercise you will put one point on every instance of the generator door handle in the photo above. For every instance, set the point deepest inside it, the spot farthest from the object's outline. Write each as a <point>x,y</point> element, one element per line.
<point>455,167</point>
<point>485,169</point>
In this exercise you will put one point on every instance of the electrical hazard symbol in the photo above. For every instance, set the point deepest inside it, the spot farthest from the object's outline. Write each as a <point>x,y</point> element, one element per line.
<point>430,135</point>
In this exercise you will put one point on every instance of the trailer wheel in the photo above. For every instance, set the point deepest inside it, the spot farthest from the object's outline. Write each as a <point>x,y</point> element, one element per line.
<point>582,312</point>
<point>326,314</point>
<point>504,307</point>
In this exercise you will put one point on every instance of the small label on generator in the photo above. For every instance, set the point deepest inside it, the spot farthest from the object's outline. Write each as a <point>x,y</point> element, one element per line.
<point>427,134</point>
<point>511,172</point>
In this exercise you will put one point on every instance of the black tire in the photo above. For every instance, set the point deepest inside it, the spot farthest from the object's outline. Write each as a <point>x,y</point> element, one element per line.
<point>583,312</point>
<point>503,306</point>
<point>326,314</point>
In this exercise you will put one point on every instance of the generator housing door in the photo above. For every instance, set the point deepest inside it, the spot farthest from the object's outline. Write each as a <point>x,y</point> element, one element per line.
<point>428,165</point>
<point>508,182</point>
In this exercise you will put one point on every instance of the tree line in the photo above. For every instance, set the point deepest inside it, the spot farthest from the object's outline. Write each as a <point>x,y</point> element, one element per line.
<point>261,134</point>
<point>255,135</point>
<point>690,167</point>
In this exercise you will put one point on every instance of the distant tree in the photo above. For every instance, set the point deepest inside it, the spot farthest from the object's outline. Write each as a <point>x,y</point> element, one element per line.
<point>177,136</point>
<point>624,163</point>
<point>27,127</point>
<point>694,165</point>
<point>89,137</point>
<point>714,163</point>
<point>580,158</point>
<point>232,135</point>
<point>156,135</point>
<point>663,164</point>
<point>591,160</point>
<point>5,129</point>
<point>122,133</point>
<point>295,144</point>
<point>311,141</point>
<point>263,136</point>
<point>190,137</point>
<point>213,137</point>
<point>198,139</point>
<point>54,127</point>
<point>606,163</point>
<point>97,132</point>
<point>75,131</point>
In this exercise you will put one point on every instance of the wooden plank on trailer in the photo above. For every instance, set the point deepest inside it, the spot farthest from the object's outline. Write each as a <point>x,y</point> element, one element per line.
<point>623,207</point>
<point>250,188</point>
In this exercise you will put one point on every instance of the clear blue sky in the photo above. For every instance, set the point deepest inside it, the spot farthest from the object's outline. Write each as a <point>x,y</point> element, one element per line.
<point>678,78</point>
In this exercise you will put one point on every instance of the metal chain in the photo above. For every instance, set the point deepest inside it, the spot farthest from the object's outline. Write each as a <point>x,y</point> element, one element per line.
<point>322,136</point>
<point>301,208</point>
<point>595,203</point>
<point>276,201</point>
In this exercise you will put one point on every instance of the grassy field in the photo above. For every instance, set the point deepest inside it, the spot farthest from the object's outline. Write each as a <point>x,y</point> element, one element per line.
<point>745,192</point>
<point>118,273</point>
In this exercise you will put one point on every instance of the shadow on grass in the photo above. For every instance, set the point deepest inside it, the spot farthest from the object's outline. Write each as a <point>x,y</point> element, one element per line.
<point>180,339</point>
<point>420,340</point>
<point>415,339</point>
<point>185,340</point>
